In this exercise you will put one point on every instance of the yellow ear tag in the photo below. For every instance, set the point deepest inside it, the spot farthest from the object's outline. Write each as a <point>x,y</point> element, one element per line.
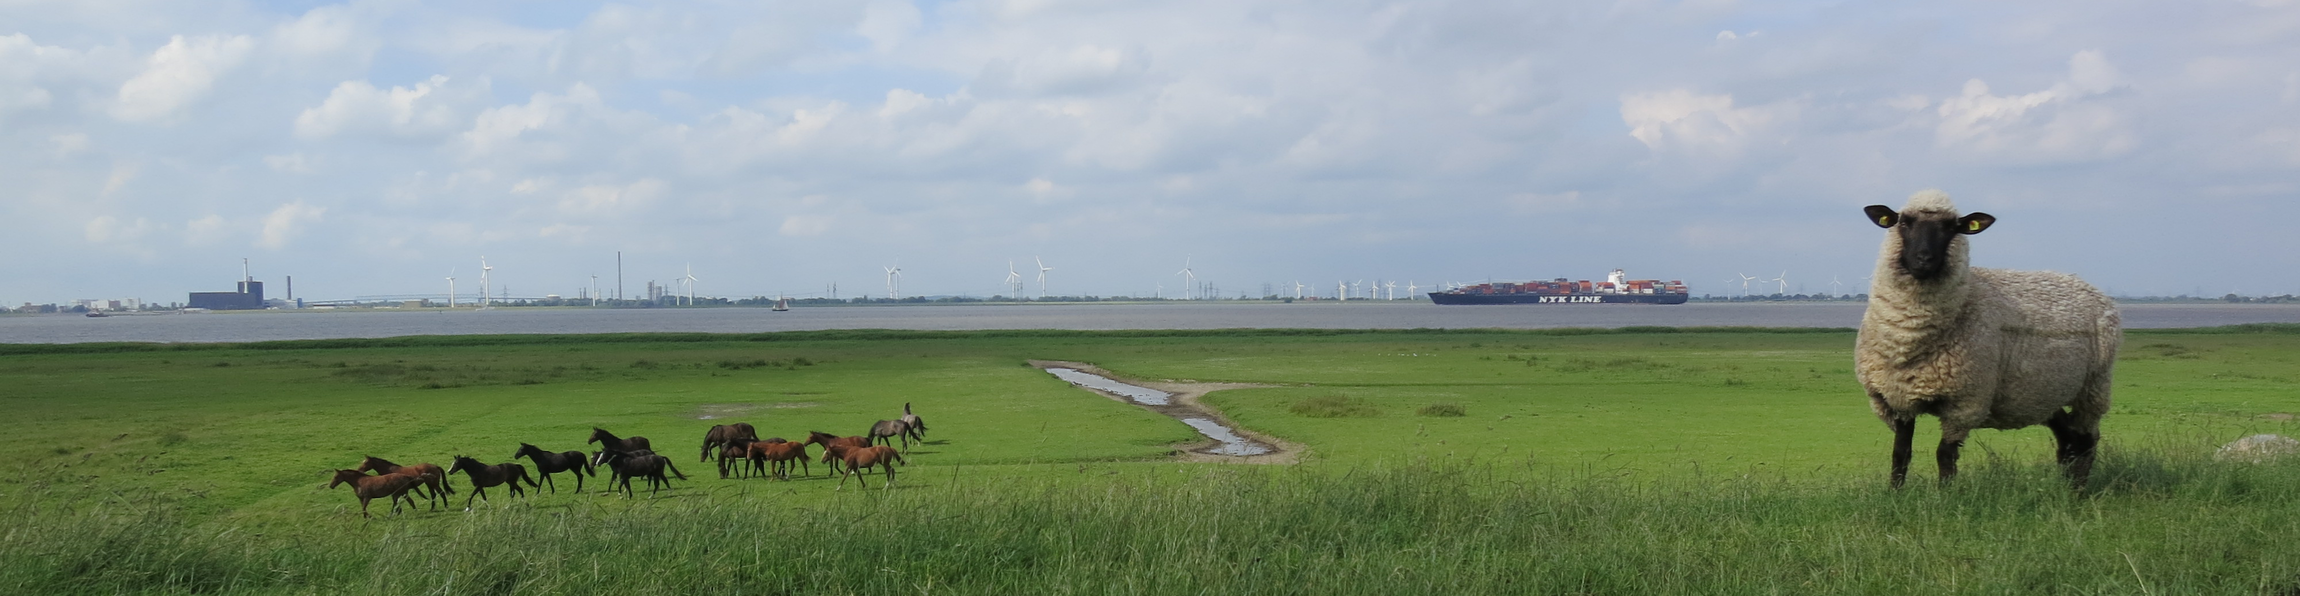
<point>1975,225</point>
<point>1885,221</point>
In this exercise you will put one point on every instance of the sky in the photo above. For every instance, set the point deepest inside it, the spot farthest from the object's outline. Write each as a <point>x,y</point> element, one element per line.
<point>377,148</point>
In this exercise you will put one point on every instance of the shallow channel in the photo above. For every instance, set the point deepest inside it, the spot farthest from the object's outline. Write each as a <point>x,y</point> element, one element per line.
<point>1162,402</point>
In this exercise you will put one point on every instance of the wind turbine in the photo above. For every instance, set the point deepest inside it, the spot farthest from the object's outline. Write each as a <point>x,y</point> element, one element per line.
<point>594,290</point>
<point>690,279</point>
<point>1158,290</point>
<point>1189,278</point>
<point>1393,288</point>
<point>451,287</point>
<point>1342,291</point>
<point>1042,269</point>
<point>1835,287</point>
<point>1745,279</point>
<point>1783,279</point>
<point>1410,287</point>
<point>1013,281</point>
<point>484,271</point>
<point>1298,289</point>
<point>893,281</point>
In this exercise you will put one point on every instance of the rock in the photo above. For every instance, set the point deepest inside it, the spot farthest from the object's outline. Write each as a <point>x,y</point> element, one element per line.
<point>2258,448</point>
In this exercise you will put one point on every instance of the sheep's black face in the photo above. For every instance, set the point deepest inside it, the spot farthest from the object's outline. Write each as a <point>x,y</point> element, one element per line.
<point>1926,236</point>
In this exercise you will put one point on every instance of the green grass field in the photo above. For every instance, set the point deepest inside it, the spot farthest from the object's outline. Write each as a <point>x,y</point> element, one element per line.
<point>1654,460</point>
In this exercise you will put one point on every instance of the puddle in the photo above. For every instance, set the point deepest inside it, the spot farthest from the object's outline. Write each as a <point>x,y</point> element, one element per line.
<point>1231,443</point>
<point>1140,395</point>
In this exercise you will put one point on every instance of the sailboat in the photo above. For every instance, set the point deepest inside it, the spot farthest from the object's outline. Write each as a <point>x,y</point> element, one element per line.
<point>781,303</point>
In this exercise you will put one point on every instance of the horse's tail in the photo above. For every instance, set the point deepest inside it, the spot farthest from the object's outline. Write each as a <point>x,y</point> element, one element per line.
<point>898,458</point>
<point>674,468</point>
<point>530,479</point>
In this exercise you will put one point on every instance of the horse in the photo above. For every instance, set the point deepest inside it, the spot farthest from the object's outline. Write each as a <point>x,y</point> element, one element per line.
<point>393,486</point>
<point>732,454</point>
<point>548,463</point>
<point>720,435</point>
<point>628,464</point>
<point>917,425</point>
<point>483,476</point>
<point>779,455</point>
<point>828,440</point>
<point>600,458</point>
<point>610,442</point>
<point>433,477</point>
<point>886,431</point>
<point>863,458</point>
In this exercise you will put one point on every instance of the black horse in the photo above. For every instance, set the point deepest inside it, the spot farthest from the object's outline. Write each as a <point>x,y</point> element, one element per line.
<point>548,463</point>
<point>629,464</point>
<point>610,442</point>
<point>722,434</point>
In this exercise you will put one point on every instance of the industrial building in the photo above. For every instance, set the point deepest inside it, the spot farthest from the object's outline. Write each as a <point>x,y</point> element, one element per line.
<point>250,295</point>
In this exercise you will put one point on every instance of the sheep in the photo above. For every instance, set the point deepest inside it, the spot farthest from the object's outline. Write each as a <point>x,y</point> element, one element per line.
<point>1977,347</point>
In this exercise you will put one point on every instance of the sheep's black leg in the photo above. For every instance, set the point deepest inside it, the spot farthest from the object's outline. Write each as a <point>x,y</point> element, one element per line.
<point>1904,435</point>
<point>2076,447</point>
<point>1952,442</point>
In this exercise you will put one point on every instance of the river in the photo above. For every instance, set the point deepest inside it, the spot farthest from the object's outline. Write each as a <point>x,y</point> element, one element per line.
<point>329,324</point>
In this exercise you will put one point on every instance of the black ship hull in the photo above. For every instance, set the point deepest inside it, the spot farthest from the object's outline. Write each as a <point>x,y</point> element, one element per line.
<point>1447,298</point>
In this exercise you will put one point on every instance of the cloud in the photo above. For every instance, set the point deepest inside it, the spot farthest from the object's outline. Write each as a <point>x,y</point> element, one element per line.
<point>205,230</point>
<point>1681,119</point>
<point>427,110</point>
<point>285,223</point>
<point>803,226</point>
<point>178,74</point>
<point>2066,122</point>
<point>607,198</point>
<point>294,163</point>
<point>69,144</point>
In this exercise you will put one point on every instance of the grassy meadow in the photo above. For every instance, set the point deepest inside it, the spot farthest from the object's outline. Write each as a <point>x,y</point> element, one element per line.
<point>1571,461</point>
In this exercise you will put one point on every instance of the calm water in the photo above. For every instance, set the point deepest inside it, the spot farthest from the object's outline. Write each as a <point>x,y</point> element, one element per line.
<point>274,325</point>
<point>1230,442</point>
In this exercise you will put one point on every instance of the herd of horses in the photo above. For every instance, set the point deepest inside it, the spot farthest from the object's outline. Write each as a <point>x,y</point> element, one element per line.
<point>739,451</point>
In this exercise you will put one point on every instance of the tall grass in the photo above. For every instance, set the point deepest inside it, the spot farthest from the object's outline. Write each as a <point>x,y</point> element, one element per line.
<point>2152,523</point>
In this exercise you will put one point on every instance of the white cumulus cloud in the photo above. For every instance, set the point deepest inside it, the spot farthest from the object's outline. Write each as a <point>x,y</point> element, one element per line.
<point>286,222</point>
<point>178,74</point>
<point>1682,119</point>
<point>2062,123</point>
<point>429,109</point>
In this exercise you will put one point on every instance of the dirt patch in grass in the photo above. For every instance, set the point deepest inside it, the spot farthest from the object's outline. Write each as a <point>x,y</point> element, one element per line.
<point>719,411</point>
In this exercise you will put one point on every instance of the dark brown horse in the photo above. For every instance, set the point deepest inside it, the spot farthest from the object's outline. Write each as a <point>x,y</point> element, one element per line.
<point>548,463</point>
<point>733,455</point>
<point>393,486</point>
<point>858,459</point>
<point>610,442</point>
<point>434,478</point>
<point>886,431</point>
<point>917,430</point>
<point>629,464</point>
<point>483,476</point>
<point>722,434</point>
<point>828,441</point>
<point>778,456</point>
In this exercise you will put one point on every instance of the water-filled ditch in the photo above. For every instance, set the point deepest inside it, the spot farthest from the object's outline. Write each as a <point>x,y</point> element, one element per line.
<point>1231,442</point>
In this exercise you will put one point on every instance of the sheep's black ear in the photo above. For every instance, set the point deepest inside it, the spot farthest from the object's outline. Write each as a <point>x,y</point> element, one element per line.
<point>1973,224</point>
<point>1881,215</point>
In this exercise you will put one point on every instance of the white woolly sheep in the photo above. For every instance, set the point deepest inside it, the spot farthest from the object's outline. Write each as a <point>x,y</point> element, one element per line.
<point>1980,348</point>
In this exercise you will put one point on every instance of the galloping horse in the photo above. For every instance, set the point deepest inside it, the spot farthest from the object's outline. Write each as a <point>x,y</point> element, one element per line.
<point>368,487</point>
<point>610,442</point>
<point>779,456</point>
<point>917,431</point>
<point>863,458</point>
<point>483,476</point>
<point>732,455</point>
<point>886,431</point>
<point>433,478</point>
<point>548,463</point>
<point>828,441</point>
<point>627,464</point>
<point>722,434</point>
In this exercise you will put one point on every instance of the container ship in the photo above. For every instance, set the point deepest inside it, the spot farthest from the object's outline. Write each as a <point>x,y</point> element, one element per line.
<point>1616,289</point>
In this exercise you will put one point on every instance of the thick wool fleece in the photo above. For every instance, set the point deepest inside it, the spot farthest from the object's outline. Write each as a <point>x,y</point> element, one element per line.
<point>1984,348</point>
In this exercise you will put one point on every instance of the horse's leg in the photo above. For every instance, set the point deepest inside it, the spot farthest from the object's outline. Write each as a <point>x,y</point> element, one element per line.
<point>889,475</point>
<point>843,478</point>
<point>362,505</point>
